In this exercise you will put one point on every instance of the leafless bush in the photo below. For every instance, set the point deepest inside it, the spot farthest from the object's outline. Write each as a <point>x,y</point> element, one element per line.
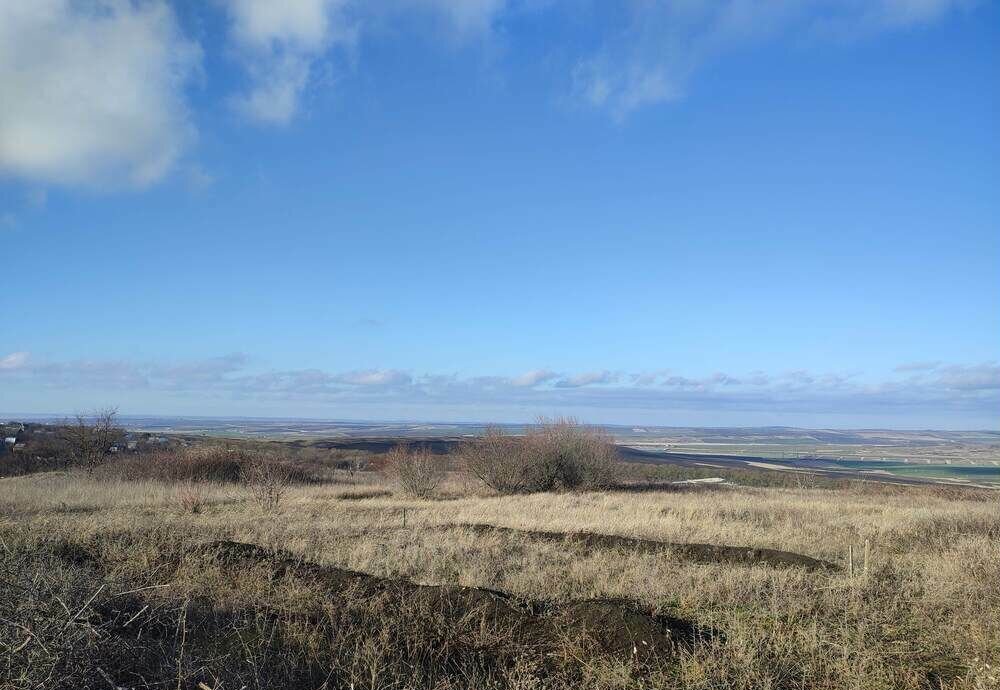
<point>89,438</point>
<point>566,455</point>
<point>267,481</point>
<point>497,460</point>
<point>418,471</point>
<point>555,455</point>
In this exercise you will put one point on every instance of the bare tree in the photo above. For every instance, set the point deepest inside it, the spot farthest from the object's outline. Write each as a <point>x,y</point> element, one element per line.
<point>89,438</point>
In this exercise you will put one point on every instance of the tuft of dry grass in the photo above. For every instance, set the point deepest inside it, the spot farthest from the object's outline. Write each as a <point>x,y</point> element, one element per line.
<point>190,498</point>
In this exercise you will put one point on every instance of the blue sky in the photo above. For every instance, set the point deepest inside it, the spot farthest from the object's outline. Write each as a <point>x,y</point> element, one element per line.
<point>678,212</point>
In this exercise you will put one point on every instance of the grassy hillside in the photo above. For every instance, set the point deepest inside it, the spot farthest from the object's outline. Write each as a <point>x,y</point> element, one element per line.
<point>136,584</point>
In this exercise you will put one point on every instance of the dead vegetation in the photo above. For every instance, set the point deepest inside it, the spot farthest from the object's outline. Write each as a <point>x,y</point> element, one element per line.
<point>557,455</point>
<point>418,471</point>
<point>226,614</point>
<point>267,480</point>
<point>210,464</point>
<point>170,575</point>
<point>88,438</point>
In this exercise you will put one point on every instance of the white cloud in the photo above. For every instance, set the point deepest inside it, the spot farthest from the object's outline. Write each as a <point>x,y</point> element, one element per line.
<point>279,85</point>
<point>92,91</point>
<point>466,17</point>
<point>15,360</point>
<point>533,378</point>
<point>949,391</point>
<point>301,24</point>
<point>280,41</point>
<point>587,379</point>
<point>970,378</point>
<point>374,377</point>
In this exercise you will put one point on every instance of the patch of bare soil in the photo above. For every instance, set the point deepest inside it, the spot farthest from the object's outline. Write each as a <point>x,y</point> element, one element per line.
<point>619,628</point>
<point>698,553</point>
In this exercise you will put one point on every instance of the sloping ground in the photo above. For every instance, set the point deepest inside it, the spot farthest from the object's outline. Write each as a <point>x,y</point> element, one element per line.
<point>125,613</point>
<point>698,553</point>
<point>613,627</point>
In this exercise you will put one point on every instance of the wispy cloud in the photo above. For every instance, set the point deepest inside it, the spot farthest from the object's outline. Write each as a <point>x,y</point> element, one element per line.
<point>948,389</point>
<point>281,43</point>
<point>15,360</point>
<point>534,377</point>
<point>588,378</point>
<point>374,377</point>
<point>657,46</point>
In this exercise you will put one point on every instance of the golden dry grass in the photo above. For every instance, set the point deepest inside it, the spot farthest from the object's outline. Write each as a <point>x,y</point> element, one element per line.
<point>926,614</point>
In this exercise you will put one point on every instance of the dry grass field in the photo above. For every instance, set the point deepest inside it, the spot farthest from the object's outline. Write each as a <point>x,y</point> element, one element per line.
<point>114,583</point>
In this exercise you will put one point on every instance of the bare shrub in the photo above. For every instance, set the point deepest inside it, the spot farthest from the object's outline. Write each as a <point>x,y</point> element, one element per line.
<point>568,456</point>
<point>267,481</point>
<point>497,460</point>
<point>418,471</point>
<point>557,455</point>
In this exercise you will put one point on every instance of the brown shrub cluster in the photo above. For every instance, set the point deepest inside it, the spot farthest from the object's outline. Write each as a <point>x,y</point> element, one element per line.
<point>557,455</point>
<point>210,464</point>
<point>418,471</point>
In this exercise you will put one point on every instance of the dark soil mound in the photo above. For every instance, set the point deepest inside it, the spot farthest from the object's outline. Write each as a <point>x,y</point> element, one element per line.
<point>614,627</point>
<point>234,553</point>
<point>699,553</point>
<point>618,628</point>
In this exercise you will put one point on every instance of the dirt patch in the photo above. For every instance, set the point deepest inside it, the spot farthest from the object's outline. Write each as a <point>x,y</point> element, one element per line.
<point>619,628</point>
<point>72,552</point>
<point>698,553</point>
